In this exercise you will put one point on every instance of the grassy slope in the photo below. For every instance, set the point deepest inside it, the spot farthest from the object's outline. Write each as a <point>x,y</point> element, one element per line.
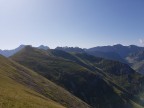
<point>85,84</point>
<point>15,95</point>
<point>23,88</point>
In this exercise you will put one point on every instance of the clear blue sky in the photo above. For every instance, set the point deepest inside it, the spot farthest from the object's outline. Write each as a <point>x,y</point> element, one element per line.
<point>83,23</point>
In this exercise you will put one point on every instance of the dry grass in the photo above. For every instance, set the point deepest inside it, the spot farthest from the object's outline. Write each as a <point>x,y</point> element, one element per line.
<point>21,87</point>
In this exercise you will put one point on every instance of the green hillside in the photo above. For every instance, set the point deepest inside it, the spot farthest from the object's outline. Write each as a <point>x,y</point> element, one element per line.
<point>23,88</point>
<point>77,76</point>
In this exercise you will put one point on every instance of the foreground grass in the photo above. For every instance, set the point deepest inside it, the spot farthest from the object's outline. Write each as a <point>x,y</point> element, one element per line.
<point>21,87</point>
<point>14,95</point>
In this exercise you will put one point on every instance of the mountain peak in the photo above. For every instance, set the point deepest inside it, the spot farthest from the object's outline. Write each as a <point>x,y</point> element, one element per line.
<point>43,47</point>
<point>20,47</point>
<point>71,49</point>
<point>118,45</point>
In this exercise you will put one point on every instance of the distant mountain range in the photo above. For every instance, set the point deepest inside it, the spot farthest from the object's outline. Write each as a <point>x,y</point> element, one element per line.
<point>132,55</point>
<point>68,77</point>
<point>117,52</point>
<point>123,51</point>
<point>124,54</point>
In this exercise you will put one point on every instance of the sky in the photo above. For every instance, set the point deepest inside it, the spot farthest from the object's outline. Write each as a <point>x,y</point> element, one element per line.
<point>77,23</point>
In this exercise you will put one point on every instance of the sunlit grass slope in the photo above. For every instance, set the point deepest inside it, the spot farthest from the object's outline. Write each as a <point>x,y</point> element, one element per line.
<point>23,88</point>
<point>15,95</point>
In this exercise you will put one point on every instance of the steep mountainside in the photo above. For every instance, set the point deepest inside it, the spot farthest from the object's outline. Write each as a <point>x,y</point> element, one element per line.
<point>137,61</point>
<point>80,78</point>
<point>121,73</point>
<point>107,55</point>
<point>23,88</point>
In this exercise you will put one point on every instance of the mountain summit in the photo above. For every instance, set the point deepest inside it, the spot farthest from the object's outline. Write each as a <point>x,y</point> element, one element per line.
<point>8,53</point>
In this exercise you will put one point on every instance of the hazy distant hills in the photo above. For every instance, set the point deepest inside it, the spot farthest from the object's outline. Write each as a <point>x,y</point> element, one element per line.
<point>117,52</point>
<point>131,55</point>
<point>123,51</point>
<point>71,49</point>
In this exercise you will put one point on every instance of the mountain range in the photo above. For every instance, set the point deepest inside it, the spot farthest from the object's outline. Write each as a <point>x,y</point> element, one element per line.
<point>68,77</point>
<point>116,52</point>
